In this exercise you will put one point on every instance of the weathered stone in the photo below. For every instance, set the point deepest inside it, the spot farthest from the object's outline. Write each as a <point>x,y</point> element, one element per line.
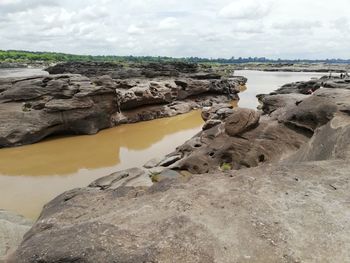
<point>153,163</point>
<point>12,229</point>
<point>33,108</point>
<point>122,178</point>
<point>218,111</point>
<point>241,120</point>
<point>170,160</point>
<point>210,124</point>
<point>261,213</point>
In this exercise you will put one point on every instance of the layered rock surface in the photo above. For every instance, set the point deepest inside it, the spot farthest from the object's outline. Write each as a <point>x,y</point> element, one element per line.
<point>292,207</point>
<point>36,107</point>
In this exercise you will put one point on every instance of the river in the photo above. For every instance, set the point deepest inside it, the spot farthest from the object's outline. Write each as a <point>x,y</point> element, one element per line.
<point>32,175</point>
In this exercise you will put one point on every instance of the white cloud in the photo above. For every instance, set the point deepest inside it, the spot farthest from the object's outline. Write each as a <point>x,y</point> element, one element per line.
<point>246,9</point>
<point>134,30</point>
<point>168,23</point>
<point>205,28</point>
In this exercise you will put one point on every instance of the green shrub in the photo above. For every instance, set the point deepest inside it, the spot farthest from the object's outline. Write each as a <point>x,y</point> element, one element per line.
<point>226,167</point>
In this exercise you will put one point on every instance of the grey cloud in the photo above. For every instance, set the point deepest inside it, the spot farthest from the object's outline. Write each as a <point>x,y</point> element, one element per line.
<point>297,25</point>
<point>12,6</point>
<point>246,9</point>
<point>341,24</point>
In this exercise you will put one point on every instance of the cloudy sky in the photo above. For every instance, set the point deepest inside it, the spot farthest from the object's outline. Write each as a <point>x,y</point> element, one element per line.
<point>204,28</point>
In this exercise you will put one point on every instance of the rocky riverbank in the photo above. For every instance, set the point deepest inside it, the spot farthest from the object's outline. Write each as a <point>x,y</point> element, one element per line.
<point>83,98</point>
<point>268,186</point>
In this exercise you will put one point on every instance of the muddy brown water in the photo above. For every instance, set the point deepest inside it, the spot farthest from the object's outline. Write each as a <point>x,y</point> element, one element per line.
<point>32,175</point>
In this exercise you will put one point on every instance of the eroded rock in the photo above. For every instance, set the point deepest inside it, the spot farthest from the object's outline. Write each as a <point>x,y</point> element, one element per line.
<point>241,120</point>
<point>33,108</point>
<point>12,229</point>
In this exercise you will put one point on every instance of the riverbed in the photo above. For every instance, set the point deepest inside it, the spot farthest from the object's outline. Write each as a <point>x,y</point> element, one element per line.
<point>32,175</point>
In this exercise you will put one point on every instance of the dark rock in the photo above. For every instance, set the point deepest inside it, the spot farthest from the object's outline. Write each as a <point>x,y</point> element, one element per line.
<point>210,124</point>
<point>303,87</point>
<point>117,71</point>
<point>169,160</point>
<point>217,112</point>
<point>270,103</point>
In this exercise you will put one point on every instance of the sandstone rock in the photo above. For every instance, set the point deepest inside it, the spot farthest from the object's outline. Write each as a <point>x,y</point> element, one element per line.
<point>48,111</point>
<point>313,112</point>
<point>153,163</point>
<point>219,111</point>
<point>303,87</point>
<point>170,160</point>
<point>122,178</point>
<point>117,71</point>
<point>260,214</point>
<point>210,124</point>
<point>172,175</point>
<point>241,120</point>
<point>271,103</point>
<point>36,107</point>
<point>12,229</point>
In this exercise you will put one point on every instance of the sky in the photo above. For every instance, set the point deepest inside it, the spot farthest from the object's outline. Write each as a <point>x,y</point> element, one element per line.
<point>310,29</point>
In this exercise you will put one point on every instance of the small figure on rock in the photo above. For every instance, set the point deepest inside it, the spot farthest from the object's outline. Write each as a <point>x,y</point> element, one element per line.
<point>330,75</point>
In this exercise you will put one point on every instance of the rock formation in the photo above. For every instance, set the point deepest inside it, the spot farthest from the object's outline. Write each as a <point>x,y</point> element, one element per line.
<point>12,229</point>
<point>248,188</point>
<point>36,107</point>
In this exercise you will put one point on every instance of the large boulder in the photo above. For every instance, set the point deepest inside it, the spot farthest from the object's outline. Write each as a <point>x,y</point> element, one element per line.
<point>241,120</point>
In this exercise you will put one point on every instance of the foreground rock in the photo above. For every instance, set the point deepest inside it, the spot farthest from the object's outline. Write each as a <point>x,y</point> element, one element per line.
<point>12,229</point>
<point>36,107</point>
<point>269,214</point>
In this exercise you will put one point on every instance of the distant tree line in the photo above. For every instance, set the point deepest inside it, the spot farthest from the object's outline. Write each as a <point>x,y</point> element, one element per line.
<point>28,56</point>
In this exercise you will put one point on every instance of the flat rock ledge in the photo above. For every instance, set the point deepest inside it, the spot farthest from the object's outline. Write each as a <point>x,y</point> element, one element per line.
<point>274,190</point>
<point>34,108</point>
